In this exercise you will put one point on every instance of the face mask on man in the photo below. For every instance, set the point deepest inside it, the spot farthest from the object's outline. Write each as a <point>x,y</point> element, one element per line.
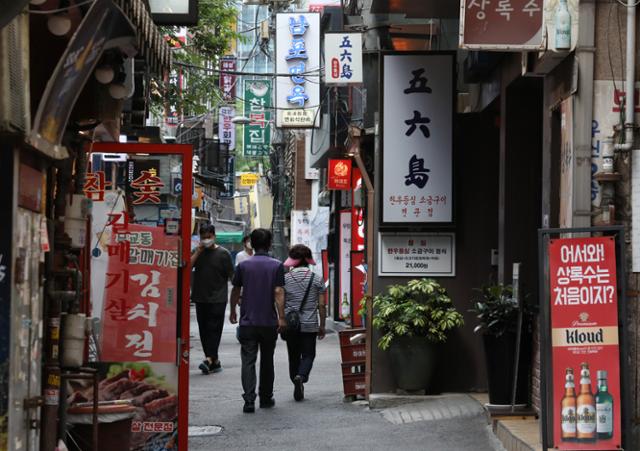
<point>208,242</point>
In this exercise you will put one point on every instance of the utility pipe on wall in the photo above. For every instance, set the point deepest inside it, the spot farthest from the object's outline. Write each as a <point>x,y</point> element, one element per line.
<point>630,81</point>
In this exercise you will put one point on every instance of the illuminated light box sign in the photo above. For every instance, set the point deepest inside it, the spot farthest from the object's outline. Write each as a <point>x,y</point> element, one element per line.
<point>174,12</point>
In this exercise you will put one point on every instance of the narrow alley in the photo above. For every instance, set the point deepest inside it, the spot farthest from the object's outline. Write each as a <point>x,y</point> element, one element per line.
<point>322,420</point>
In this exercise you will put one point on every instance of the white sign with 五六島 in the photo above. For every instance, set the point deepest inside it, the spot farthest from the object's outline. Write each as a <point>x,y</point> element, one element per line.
<point>416,254</point>
<point>342,58</point>
<point>417,137</point>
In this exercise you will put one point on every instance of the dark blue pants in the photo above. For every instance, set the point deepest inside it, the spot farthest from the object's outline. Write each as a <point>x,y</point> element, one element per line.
<point>302,351</point>
<point>252,340</point>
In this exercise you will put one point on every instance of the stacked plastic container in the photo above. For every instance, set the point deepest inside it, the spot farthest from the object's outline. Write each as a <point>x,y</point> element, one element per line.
<point>353,352</point>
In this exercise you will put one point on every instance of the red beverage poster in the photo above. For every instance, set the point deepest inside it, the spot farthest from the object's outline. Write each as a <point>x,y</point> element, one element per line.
<point>358,280</point>
<point>585,350</point>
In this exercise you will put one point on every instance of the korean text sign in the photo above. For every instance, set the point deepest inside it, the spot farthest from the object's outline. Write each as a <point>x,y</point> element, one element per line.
<point>501,24</point>
<point>339,174</point>
<point>413,254</point>
<point>417,126</point>
<point>342,58</point>
<point>257,107</point>
<point>140,294</point>
<point>228,80</point>
<point>226,128</point>
<point>584,338</point>
<point>298,67</point>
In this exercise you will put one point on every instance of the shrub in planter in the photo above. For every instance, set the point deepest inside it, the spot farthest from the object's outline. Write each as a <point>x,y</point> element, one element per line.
<point>497,315</point>
<point>412,318</point>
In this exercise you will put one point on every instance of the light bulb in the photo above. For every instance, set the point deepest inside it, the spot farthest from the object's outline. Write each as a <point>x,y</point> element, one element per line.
<point>37,2</point>
<point>59,24</point>
<point>118,91</point>
<point>104,74</point>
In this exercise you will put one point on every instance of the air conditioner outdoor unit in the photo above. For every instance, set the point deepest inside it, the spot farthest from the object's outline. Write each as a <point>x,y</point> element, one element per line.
<point>14,76</point>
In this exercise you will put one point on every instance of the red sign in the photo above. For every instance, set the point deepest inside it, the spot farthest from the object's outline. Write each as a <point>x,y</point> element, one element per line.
<point>502,24</point>
<point>227,80</point>
<point>358,281</point>
<point>357,213</point>
<point>584,337</point>
<point>141,301</point>
<point>339,174</point>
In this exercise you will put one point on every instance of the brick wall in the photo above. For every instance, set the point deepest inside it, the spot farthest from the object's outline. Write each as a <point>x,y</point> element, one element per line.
<point>302,186</point>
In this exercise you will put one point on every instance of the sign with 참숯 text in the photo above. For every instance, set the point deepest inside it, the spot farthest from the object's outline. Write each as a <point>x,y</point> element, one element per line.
<point>339,174</point>
<point>506,25</point>
<point>585,343</point>
<point>417,129</point>
<point>417,254</point>
<point>342,58</point>
<point>249,179</point>
<point>140,297</point>
<point>298,55</point>
<point>257,107</point>
<point>226,128</point>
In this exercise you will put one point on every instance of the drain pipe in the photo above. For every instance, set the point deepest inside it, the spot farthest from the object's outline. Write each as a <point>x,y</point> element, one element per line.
<point>630,82</point>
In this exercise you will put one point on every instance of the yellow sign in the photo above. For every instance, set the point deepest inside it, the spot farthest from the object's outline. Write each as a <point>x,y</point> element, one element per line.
<point>249,179</point>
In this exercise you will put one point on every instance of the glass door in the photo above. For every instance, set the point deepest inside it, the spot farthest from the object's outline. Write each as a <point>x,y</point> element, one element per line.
<point>139,285</point>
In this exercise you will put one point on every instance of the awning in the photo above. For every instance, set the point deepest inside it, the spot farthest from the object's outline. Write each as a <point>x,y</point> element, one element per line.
<point>229,237</point>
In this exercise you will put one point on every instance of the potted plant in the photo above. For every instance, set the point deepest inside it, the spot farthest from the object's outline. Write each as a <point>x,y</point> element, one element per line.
<point>413,318</point>
<point>497,315</point>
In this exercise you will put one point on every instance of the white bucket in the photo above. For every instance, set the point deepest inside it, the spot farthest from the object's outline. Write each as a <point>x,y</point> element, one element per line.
<point>73,336</point>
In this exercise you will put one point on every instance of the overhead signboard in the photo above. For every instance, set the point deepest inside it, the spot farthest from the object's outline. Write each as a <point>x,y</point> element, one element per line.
<point>339,174</point>
<point>228,78</point>
<point>417,135</point>
<point>257,107</point>
<point>174,12</point>
<point>505,25</point>
<point>298,67</point>
<point>342,58</point>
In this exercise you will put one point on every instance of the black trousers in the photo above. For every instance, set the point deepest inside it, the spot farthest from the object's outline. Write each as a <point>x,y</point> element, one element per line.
<point>210,323</point>
<point>252,340</point>
<point>301,347</point>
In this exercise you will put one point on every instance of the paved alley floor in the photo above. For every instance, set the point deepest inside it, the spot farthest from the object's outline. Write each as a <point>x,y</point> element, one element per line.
<point>322,421</point>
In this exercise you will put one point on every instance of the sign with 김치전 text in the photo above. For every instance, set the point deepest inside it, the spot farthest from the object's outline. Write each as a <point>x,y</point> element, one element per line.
<point>298,55</point>
<point>417,254</point>
<point>417,128</point>
<point>585,343</point>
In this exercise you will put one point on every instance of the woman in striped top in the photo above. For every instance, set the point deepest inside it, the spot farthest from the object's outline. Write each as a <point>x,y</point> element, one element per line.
<point>302,345</point>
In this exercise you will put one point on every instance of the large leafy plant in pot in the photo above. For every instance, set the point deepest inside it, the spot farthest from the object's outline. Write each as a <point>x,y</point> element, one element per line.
<point>497,315</point>
<point>412,319</point>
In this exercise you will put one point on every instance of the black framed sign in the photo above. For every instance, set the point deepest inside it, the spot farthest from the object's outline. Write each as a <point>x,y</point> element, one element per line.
<point>174,12</point>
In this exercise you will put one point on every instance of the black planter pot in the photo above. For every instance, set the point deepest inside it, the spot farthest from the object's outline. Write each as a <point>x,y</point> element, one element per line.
<point>500,357</point>
<point>412,362</point>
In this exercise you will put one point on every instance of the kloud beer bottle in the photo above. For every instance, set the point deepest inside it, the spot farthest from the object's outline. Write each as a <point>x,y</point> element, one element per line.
<point>568,409</point>
<point>586,408</point>
<point>604,408</point>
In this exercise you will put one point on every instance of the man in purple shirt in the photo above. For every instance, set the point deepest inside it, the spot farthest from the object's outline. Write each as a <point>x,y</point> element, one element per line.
<point>261,280</point>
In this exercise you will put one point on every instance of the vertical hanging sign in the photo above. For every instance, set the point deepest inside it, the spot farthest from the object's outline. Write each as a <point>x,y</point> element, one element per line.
<point>228,80</point>
<point>298,55</point>
<point>417,124</point>
<point>342,58</point>
<point>257,107</point>
<point>584,338</point>
<point>339,174</point>
<point>226,128</point>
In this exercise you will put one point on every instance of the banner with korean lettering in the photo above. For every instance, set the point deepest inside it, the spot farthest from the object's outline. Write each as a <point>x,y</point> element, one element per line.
<point>417,135</point>
<point>257,107</point>
<point>227,79</point>
<point>585,346</point>
<point>339,174</point>
<point>298,54</point>
<point>226,128</point>
<point>506,25</point>
<point>342,58</point>
<point>140,301</point>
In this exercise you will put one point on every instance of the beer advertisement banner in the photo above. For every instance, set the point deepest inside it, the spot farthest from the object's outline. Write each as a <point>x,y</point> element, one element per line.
<point>358,284</point>
<point>584,337</point>
<point>257,107</point>
<point>140,302</point>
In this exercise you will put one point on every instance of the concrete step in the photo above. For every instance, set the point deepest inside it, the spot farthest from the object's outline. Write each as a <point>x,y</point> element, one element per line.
<point>517,434</point>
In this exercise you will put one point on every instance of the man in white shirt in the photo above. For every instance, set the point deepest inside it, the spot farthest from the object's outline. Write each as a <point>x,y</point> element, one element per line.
<point>247,253</point>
